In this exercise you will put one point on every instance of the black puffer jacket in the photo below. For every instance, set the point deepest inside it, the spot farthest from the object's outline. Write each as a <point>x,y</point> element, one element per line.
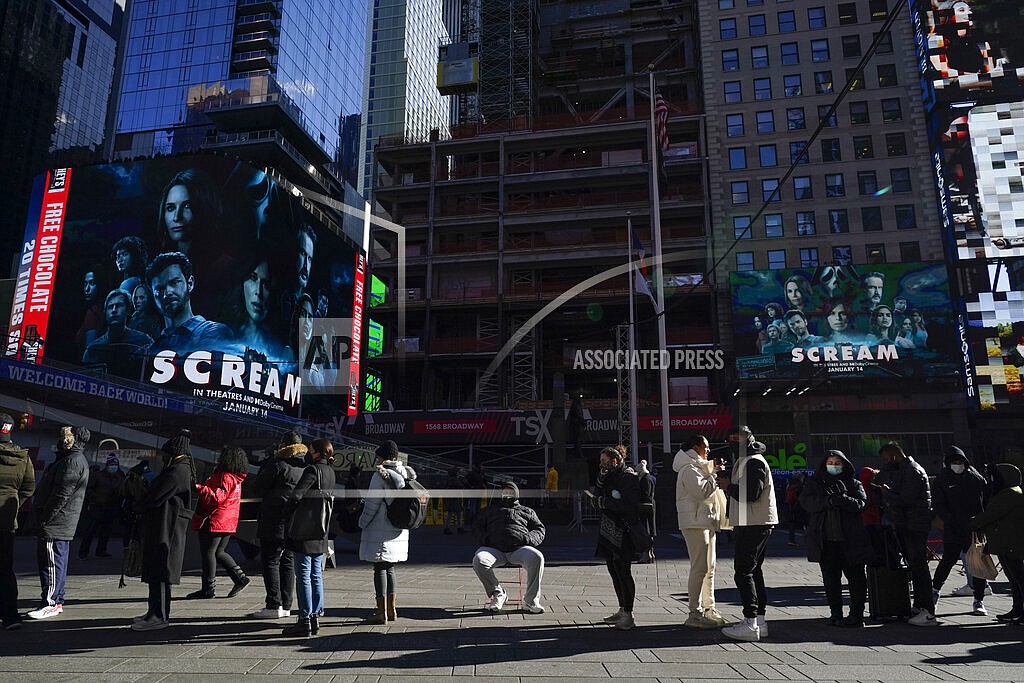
<point>957,498</point>
<point>507,527</point>
<point>61,494</point>
<point>824,491</point>
<point>907,500</point>
<point>274,483</point>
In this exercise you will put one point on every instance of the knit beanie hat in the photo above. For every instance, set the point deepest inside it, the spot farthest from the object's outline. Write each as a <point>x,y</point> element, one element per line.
<point>112,460</point>
<point>388,450</point>
<point>6,427</point>
<point>179,444</point>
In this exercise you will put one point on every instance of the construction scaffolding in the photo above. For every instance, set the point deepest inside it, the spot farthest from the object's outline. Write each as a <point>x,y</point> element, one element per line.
<point>508,31</point>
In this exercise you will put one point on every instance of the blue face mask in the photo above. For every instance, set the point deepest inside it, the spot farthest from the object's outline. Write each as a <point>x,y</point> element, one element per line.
<point>834,470</point>
<point>112,468</point>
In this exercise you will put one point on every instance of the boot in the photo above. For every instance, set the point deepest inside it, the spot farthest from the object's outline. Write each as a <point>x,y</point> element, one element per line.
<point>389,603</point>
<point>380,615</point>
<point>240,579</point>
<point>300,629</point>
<point>208,590</point>
<point>314,624</point>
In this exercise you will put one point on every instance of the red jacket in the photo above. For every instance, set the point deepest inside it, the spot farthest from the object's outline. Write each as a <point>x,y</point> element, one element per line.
<point>219,500</point>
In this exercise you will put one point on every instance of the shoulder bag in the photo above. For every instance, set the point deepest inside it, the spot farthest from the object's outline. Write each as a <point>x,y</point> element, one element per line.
<point>979,562</point>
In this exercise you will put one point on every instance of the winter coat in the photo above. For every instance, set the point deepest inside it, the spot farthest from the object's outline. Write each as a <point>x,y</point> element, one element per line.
<point>907,501</point>
<point>274,483</point>
<point>381,541</point>
<point>956,499</point>
<point>103,490</point>
<point>61,495</point>
<point>508,527</point>
<point>752,490</point>
<point>700,504</point>
<point>823,492</point>
<point>315,480</point>
<point>618,494</point>
<point>1003,517</point>
<point>219,501</point>
<point>17,483</point>
<point>166,511</point>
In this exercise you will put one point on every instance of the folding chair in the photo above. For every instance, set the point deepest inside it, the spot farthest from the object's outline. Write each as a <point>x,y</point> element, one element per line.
<point>518,582</point>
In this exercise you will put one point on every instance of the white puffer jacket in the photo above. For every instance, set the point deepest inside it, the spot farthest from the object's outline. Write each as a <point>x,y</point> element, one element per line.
<point>381,541</point>
<point>700,504</point>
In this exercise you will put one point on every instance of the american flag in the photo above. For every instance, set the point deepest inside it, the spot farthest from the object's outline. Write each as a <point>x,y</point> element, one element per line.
<point>661,122</point>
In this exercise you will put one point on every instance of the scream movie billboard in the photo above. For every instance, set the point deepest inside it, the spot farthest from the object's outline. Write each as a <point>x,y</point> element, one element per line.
<point>194,274</point>
<point>883,320</point>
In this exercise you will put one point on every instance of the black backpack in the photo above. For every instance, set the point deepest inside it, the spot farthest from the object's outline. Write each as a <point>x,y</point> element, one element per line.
<point>408,510</point>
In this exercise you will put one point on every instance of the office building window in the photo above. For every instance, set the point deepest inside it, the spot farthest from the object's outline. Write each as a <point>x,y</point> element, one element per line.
<point>822,82</point>
<point>744,260</point>
<point>759,57</point>
<point>847,13</point>
<point>805,223</point>
<point>762,88</point>
<point>905,218</point>
<point>809,258</point>
<point>851,46</point>
<point>802,188</point>
<point>797,152</point>
<point>891,110</point>
<point>823,111</point>
<point>734,125</point>
<point>790,53</point>
<point>874,253</point>
<point>871,218</point>
<point>910,251</point>
<point>768,155</point>
<point>855,80</point>
<point>733,93</point>
<point>757,25</point>
<point>900,178</point>
<point>770,190</point>
<point>885,44</point>
<point>819,50</point>
<point>867,182</point>
<point>795,119</point>
<point>773,225</point>
<point>730,60</point>
<point>737,158</point>
<point>726,28</point>
<point>863,147</point>
<point>755,3</point>
<point>887,76</point>
<point>741,227</point>
<point>859,113</point>
<point>830,150</point>
<point>726,4</point>
<point>776,259</point>
<point>838,221</point>
<point>879,9</point>
<point>765,122</point>
<point>816,17</point>
<point>835,186</point>
<point>740,192</point>
<point>895,144</point>
<point>787,21</point>
<point>792,85</point>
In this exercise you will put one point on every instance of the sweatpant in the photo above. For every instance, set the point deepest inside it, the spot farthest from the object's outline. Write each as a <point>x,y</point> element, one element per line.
<point>751,543</point>
<point>527,557</point>
<point>951,552</point>
<point>834,564</point>
<point>160,600</point>
<point>52,557</point>
<point>278,573</point>
<point>622,581</point>
<point>700,546</point>
<point>914,545</point>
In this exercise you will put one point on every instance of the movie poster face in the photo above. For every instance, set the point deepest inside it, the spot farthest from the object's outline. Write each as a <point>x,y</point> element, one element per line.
<point>884,320</point>
<point>195,274</point>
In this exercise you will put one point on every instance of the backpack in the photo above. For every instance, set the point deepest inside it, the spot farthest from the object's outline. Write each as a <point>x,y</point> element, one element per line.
<point>408,510</point>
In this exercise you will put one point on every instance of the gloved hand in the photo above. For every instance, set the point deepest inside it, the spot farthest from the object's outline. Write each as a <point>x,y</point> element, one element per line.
<point>616,495</point>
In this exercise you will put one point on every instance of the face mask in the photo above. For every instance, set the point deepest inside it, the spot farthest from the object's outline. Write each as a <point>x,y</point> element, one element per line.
<point>112,468</point>
<point>507,500</point>
<point>834,470</point>
<point>957,469</point>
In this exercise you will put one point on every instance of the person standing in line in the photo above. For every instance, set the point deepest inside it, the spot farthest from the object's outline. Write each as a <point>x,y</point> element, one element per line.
<point>166,510</point>
<point>58,501</point>
<point>835,535</point>
<point>1001,522</point>
<point>17,484</point>
<point>273,484</point>
<point>648,482</point>
<point>753,515</point>
<point>617,496</point>
<point>102,507</point>
<point>216,518</point>
<point>793,510</point>
<point>960,494</point>
<point>907,503</point>
<point>700,508</point>
<point>382,543</point>
<point>316,481</point>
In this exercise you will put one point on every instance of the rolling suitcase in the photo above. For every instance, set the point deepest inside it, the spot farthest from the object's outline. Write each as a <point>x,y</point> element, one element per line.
<point>888,593</point>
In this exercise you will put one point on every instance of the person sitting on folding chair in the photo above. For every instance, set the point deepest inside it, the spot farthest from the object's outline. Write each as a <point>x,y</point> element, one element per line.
<point>509,534</point>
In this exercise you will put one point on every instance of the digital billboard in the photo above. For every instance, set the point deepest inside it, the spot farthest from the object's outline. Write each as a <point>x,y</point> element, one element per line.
<point>195,274</point>
<point>995,334</point>
<point>881,320</point>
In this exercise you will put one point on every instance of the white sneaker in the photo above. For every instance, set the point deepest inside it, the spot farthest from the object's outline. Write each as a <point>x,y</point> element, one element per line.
<point>963,592</point>
<point>150,623</point>
<point>744,630</point>
<point>271,613</point>
<point>498,599</point>
<point>979,609</point>
<point>46,612</point>
<point>923,618</point>
<point>762,626</point>
<point>536,608</point>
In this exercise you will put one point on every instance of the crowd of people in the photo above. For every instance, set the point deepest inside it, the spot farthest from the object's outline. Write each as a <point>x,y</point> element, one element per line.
<point>863,526</point>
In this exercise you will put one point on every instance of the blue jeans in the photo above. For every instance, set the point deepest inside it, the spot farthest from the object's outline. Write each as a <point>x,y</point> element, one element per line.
<point>309,583</point>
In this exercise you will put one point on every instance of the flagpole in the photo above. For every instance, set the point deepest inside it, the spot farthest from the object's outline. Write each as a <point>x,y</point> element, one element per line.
<point>659,284</point>
<point>633,437</point>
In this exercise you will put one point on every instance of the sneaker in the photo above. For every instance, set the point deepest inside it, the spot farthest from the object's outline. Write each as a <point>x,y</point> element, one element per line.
<point>979,609</point>
<point>744,630</point>
<point>852,621</point>
<point>498,599</point>
<point>141,617</point>
<point>923,618</point>
<point>536,608</point>
<point>46,612</point>
<point>271,613</point>
<point>963,592</point>
<point>625,622</point>
<point>711,615</point>
<point>698,620</point>
<point>150,623</point>
<point>762,626</point>
<point>612,618</point>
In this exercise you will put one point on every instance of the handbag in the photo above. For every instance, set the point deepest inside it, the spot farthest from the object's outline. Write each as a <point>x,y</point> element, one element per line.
<point>980,563</point>
<point>610,531</point>
<point>311,520</point>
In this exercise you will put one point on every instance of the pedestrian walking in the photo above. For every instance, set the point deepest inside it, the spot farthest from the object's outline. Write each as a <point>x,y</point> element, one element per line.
<point>1001,522</point>
<point>17,484</point>
<point>617,496</point>
<point>102,507</point>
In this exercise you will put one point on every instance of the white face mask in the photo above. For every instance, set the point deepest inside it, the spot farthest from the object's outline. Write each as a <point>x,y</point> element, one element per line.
<point>957,469</point>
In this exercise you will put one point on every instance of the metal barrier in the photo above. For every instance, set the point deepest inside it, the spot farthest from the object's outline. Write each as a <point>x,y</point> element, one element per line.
<point>583,511</point>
